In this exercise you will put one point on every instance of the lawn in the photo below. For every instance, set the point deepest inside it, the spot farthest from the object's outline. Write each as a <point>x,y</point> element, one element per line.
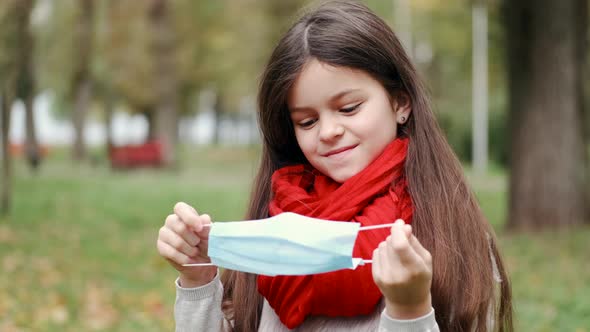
<point>78,252</point>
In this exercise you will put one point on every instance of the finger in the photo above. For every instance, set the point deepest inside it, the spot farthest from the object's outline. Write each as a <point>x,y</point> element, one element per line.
<point>384,264</point>
<point>176,241</point>
<point>421,251</point>
<point>393,269</point>
<point>416,245</point>
<point>171,254</point>
<point>179,227</point>
<point>390,257</point>
<point>204,231</point>
<point>377,265</point>
<point>407,230</point>
<point>202,252</point>
<point>188,215</point>
<point>399,246</point>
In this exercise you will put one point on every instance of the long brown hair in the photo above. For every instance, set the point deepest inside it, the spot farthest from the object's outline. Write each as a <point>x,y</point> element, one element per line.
<point>447,219</point>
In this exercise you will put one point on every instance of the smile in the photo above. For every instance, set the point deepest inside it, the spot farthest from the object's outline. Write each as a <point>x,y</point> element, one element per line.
<point>339,151</point>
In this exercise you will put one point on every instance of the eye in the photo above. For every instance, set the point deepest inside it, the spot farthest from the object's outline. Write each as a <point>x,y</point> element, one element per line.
<point>306,123</point>
<point>350,109</point>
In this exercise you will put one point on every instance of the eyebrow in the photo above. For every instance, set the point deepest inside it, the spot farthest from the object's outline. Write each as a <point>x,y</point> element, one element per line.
<point>330,101</point>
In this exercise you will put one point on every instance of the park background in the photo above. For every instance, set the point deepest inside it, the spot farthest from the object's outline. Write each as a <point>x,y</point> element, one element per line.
<point>82,78</point>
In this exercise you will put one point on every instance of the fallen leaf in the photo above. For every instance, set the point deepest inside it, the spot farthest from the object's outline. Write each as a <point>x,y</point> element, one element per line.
<point>7,235</point>
<point>153,304</point>
<point>11,262</point>
<point>9,326</point>
<point>55,310</point>
<point>98,312</point>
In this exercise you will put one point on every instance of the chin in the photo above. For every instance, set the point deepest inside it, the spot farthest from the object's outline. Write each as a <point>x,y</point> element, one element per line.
<point>341,178</point>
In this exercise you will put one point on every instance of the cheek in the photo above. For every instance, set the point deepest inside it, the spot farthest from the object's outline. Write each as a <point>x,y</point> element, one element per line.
<point>379,128</point>
<point>381,133</point>
<point>388,125</point>
<point>304,141</point>
<point>392,132</point>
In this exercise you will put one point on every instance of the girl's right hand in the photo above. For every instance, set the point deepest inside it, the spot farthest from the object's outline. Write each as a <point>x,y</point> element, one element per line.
<point>183,240</point>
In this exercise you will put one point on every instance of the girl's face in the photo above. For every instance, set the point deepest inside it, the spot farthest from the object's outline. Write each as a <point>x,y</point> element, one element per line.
<point>343,118</point>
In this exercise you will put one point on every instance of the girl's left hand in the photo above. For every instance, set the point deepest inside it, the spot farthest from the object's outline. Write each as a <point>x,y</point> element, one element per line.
<point>402,269</point>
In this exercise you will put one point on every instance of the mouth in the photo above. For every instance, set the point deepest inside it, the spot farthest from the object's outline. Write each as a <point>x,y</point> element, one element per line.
<point>340,150</point>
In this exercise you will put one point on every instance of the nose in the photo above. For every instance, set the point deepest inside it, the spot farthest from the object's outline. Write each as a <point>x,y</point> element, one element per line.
<point>330,129</point>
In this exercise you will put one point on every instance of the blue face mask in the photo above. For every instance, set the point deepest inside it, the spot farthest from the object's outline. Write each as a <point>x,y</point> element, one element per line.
<point>286,244</point>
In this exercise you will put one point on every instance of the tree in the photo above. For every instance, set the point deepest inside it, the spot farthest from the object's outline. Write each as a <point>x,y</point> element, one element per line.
<point>166,83</point>
<point>25,89</point>
<point>123,55</point>
<point>480,86</point>
<point>19,82</point>
<point>81,84</point>
<point>6,192</point>
<point>546,51</point>
<point>16,81</point>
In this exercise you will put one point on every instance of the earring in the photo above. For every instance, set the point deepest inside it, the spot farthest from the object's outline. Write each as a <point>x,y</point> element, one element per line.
<point>403,119</point>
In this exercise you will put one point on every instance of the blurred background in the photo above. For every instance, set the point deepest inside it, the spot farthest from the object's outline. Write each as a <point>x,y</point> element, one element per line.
<point>114,110</point>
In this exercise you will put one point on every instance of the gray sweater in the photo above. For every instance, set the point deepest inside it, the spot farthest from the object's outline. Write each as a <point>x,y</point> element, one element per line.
<point>199,309</point>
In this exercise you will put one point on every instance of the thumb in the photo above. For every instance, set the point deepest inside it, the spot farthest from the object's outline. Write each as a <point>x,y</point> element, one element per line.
<point>205,226</point>
<point>407,229</point>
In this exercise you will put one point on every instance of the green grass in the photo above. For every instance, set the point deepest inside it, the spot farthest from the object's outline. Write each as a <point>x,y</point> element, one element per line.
<point>549,270</point>
<point>78,252</point>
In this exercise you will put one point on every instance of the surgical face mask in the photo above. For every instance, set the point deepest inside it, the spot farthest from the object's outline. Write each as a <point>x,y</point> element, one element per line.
<point>286,244</point>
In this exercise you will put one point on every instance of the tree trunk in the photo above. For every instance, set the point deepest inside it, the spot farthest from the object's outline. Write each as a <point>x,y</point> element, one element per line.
<point>480,86</point>
<point>31,144</point>
<point>148,112</point>
<point>6,191</point>
<point>82,86</point>
<point>109,104</point>
<point>548,179</point>
<point>582,44</point>
<point>26,80</point>
<point>9,83</point>
<point>166,84</point>
<point>218,111</point>
<point>81,104</point>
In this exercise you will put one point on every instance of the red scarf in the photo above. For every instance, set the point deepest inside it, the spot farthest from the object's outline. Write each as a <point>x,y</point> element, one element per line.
<point>368,198</point>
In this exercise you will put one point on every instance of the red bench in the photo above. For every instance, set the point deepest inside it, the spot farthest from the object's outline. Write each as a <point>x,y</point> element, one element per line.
<point>18,150</point>
<point>149,154</point>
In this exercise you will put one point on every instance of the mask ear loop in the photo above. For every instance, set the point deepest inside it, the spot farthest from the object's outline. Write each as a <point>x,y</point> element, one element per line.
<point>368,228</point>
<point>363,262</point>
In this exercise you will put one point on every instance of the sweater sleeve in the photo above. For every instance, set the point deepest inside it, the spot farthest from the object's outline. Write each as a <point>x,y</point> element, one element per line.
<point>199,309</point>
<point>426,323</point>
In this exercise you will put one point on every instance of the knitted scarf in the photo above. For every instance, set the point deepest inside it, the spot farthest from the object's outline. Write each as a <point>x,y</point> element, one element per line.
<point>368,198</point>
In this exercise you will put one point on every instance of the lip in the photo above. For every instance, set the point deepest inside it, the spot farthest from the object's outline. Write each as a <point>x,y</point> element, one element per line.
<point>339,150</point>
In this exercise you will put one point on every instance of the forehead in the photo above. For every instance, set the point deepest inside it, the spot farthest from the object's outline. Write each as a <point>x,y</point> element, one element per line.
<point>318,82</point>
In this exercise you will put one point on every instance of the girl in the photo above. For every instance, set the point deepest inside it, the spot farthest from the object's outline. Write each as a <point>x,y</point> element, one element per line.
<point>348,134</point>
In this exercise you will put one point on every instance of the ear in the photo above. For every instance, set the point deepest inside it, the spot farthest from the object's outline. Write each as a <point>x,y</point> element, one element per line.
<point>402,107</point>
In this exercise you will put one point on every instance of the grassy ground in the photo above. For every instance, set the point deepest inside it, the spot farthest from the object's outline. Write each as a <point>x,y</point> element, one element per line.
<point>549,270</point>
<point>79,252</point>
